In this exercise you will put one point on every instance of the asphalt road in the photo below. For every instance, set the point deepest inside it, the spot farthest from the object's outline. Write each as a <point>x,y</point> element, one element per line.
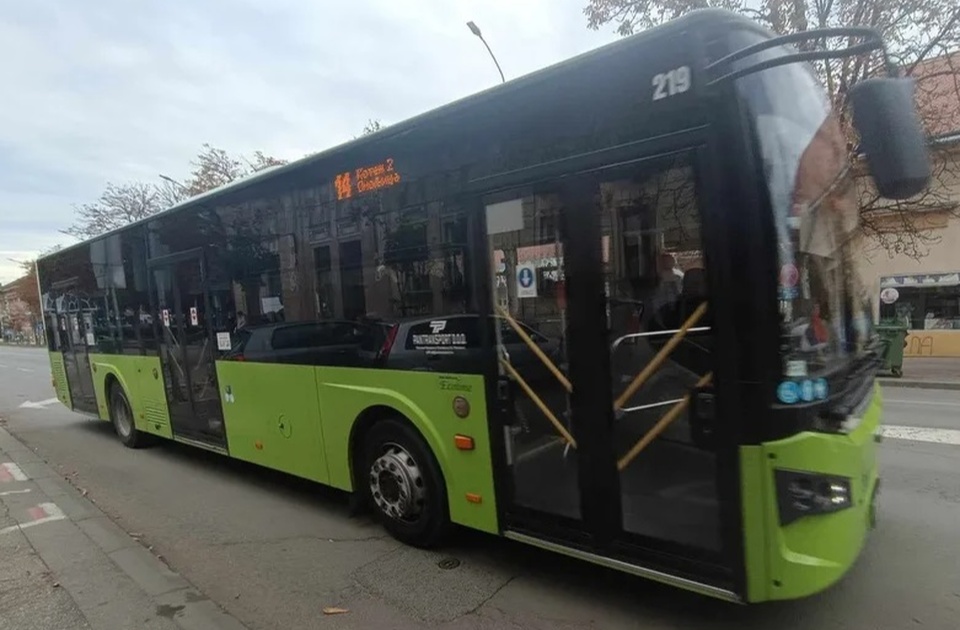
<point>274,551</point>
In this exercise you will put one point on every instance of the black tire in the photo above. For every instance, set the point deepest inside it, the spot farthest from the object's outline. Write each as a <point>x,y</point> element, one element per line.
<point>120,408</point>
<point>395,458</point>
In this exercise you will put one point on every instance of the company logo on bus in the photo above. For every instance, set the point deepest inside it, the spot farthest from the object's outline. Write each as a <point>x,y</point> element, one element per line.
<point>437,340</point>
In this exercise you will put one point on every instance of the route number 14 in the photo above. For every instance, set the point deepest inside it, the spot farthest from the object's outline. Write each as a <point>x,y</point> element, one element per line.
<point>671,83</point>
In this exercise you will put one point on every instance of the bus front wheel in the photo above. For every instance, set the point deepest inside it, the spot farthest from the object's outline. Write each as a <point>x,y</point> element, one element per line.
<point>403,484</point>
<point>121,415</point>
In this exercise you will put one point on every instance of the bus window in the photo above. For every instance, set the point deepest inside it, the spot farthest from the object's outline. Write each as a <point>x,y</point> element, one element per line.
<point>526,235</point>
<point>655,267</point>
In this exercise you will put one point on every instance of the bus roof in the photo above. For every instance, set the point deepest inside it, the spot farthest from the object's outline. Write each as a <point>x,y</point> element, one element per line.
<point>692,19</point>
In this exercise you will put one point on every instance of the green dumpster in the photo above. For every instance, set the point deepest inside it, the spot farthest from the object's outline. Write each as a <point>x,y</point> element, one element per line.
<point>894,338</point>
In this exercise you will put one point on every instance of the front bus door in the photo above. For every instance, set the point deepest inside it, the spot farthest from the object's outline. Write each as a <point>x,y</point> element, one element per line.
<point>592,277</point>
<point>77,328</point>
<point>187,350</point>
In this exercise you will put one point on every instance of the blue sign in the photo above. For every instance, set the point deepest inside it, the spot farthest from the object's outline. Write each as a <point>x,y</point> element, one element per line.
<point>820,389</point>
<point>806,391</point>
<point>526,280</point>
<point>789,293</point>
<point>788,392</point>
<point>525,277</point>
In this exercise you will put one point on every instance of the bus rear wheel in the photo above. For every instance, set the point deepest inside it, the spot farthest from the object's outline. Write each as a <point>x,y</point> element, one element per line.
<point>403,484</point>
<point>121,415</point>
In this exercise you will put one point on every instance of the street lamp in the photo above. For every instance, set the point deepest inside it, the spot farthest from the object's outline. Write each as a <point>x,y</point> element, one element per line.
<point>476,31</point>
<point>167,178</point>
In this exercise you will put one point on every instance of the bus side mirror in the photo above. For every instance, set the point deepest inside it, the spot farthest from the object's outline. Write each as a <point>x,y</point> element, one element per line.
<point>891,136</point>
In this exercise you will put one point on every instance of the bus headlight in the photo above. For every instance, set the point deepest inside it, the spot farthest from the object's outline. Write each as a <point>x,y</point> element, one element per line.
<point>802,494</point>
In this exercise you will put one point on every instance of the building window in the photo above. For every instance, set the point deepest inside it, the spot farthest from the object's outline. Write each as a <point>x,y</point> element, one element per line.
<point>928,302</point>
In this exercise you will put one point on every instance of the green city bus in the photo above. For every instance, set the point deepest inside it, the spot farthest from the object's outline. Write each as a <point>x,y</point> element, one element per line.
<point>608,309</point>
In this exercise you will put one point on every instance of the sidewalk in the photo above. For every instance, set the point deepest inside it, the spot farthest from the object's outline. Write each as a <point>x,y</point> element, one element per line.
<point>65,565</point>
<point>927,373</point>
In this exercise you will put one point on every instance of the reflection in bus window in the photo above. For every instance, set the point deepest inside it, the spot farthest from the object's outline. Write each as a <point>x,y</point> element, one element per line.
<point>526,242</point>
<point>656,280</point>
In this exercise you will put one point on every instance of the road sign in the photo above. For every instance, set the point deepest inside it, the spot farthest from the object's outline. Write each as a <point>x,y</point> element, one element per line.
<point>789,275</point>
<point>526,280</point>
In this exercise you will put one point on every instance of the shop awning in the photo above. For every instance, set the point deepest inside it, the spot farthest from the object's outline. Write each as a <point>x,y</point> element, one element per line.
<point>922,280</point>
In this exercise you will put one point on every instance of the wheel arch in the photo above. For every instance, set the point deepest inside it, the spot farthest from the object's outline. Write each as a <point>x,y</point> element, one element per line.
<point>375,414</point>
<point>113,381</point>
<point>110,381</point>
<point>350,405</point>
<point>107,376</point>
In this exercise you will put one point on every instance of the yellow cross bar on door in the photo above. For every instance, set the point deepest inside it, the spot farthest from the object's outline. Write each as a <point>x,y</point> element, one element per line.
<point>660,426</point>
<point>660,357</point>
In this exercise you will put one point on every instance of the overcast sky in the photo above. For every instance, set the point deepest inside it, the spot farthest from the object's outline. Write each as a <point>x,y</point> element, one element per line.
<point>112,90</point>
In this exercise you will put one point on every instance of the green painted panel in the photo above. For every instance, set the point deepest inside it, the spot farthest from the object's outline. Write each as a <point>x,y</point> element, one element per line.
<point>299,419</point>
<point>754,489</point>
<point>813,552</point>
<point>60,385</point>
<point>426,399</point>
<point>145,392</point>
<point>272,416</point>
<point>153,412</point>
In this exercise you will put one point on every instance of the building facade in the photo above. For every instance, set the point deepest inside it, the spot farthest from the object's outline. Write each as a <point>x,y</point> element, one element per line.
<point>911,261</point>
<point>18,321</point>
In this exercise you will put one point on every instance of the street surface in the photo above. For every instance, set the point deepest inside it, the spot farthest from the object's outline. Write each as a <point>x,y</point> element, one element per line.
<point>273,551</point>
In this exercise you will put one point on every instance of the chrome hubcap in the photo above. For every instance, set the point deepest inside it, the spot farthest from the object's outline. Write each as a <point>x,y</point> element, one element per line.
<point>124,421</point>
<point>396,484</point>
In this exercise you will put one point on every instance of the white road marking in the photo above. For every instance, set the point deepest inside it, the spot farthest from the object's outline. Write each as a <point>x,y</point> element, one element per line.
<point>935,403</point>
<point>15,471</point>
<point>53,514</point>
<point>24,370</point>
<point>38,405</point>
<point>922,434</point>
<point>24,491</point>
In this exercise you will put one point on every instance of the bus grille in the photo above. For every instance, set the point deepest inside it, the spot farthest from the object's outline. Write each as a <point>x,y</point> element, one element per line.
<point>59,376</point>
<point>155,413</point>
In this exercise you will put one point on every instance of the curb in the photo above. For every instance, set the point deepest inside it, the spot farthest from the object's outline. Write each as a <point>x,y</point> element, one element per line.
<point>908,384</point>
<point>143,575</point>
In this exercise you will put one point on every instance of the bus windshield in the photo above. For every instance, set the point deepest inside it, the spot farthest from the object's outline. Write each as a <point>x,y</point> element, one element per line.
<point>823,308</point>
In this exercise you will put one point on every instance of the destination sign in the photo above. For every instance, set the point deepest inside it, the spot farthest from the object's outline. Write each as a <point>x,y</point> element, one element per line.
<point>366,179</point>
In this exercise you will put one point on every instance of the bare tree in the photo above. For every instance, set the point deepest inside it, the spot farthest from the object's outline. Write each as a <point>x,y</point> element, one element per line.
<point>922,36</point>
<point>27,287</point>
<point>261,161</point>
<point>373,126</point>
<point>121,204</point>
<point>21,309</point>
<point>213,168</point>
<point>170,192</point>
<point>629,15</point>
<point>17,314</point>
<point>117,206</point>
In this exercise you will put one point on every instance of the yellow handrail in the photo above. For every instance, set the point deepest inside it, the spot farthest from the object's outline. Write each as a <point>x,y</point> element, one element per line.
<point>536,349</point>
<point>539,403</point>
<point>660,357</point>
<point>660,426</point>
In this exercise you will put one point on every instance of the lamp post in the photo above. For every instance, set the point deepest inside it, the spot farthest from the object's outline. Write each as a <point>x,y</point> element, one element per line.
<point>476,31</point>
<point>167,178</point>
